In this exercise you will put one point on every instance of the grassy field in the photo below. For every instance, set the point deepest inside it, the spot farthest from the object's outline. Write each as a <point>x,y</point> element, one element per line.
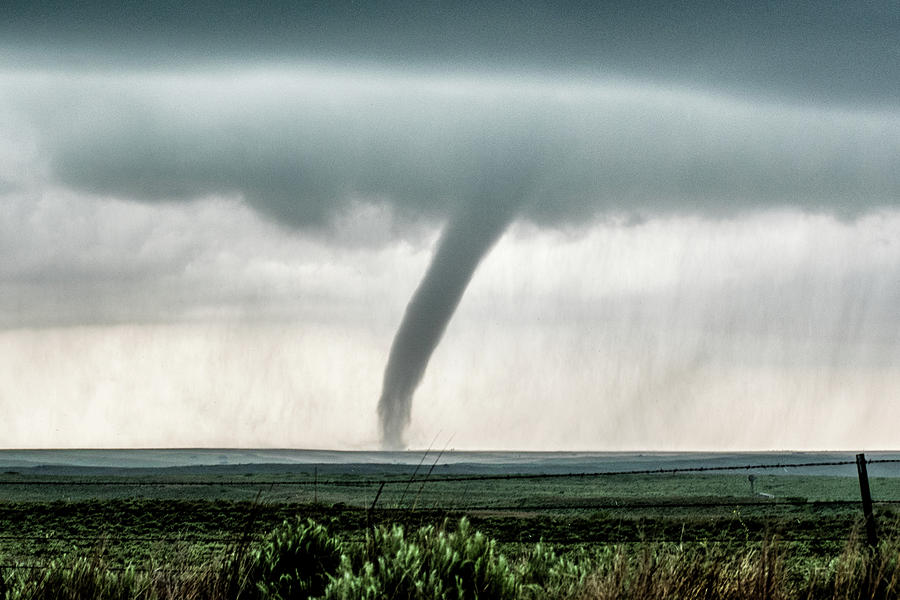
<point>139,516</point>
<point>163,519</point>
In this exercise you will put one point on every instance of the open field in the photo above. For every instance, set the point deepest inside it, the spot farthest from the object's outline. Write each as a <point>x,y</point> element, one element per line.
<point>153,513</point>
<point>179,519</point>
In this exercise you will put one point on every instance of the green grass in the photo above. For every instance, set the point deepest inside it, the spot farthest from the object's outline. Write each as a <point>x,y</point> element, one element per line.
<point>358,489</point>
<point>304,559</point>
<point>138,530</point>
<point>195,541</point>
<point>40,521</point>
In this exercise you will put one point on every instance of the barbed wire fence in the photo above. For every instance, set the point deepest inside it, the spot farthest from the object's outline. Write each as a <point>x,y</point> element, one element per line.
<point>407,481</point>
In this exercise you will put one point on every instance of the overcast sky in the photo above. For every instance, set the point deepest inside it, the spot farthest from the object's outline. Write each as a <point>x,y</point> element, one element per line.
<point>212,217</point>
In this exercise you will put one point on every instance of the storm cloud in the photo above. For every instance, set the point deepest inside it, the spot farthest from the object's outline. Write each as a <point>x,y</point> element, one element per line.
<point>219,163</point>
<point>302,146</point>
<point>304,149</point>
<point>831,52</point>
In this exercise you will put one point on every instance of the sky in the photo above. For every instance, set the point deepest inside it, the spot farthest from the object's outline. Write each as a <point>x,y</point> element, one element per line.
<point>633,226</point>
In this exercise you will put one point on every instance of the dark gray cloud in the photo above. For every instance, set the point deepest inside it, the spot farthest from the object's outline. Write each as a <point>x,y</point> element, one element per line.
<point>811,51</point>
<point>301,146</point>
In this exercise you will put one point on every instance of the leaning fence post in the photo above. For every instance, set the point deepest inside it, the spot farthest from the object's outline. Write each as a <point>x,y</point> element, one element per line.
<point>370,524</point>
<point>871,534</point>
<point>369,512</point>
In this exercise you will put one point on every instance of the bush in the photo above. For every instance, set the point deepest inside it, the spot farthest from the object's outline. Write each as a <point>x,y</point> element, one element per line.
<point>428,564</point>
<point>296,560</point>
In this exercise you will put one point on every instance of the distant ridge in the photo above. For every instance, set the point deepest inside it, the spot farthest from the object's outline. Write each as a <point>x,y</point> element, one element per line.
<point>127,462</point>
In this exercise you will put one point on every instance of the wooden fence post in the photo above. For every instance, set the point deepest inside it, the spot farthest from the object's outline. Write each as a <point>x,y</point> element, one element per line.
<point>371,543</point>
<point>369,512</point>
<point>871,533</point>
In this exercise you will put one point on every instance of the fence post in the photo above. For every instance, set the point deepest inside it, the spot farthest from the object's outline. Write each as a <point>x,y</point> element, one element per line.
<point>372,508</point>
<point>871,534</point>
<point>371,542</point>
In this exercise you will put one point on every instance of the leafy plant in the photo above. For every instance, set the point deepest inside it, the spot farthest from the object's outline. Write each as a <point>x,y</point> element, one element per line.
<point>429,564</point>
<point>296,560</point>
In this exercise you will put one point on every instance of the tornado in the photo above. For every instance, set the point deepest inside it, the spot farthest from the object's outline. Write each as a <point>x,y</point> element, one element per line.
<point>466,239</point>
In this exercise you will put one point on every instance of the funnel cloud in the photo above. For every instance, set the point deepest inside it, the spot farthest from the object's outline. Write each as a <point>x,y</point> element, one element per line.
<point>465,241</point>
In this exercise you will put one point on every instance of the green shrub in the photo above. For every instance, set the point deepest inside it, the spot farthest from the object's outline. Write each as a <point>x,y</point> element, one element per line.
<point>296,560</point>
<point>431,563</point>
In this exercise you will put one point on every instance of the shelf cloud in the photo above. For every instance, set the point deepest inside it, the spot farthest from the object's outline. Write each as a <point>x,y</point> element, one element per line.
<point>303,146</point>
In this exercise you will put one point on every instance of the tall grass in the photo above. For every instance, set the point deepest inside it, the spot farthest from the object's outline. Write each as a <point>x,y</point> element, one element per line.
<point>301,559</point>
